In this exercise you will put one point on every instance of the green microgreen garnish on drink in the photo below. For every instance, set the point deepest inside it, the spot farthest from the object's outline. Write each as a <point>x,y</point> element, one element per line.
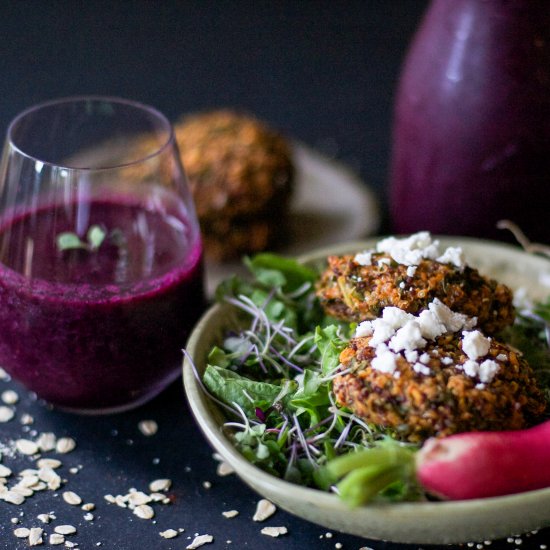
<point>96,236</point>
<point>71,241</point>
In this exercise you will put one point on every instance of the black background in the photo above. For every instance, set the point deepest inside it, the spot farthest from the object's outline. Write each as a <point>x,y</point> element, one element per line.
<point>323,73</point>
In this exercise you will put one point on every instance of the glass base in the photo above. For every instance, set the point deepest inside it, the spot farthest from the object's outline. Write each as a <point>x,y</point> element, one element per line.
<point>118,408</point>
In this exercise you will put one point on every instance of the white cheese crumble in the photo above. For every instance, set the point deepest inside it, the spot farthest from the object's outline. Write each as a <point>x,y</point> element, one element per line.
<point>488,370</point>
<point>430,323</point>
<point>411,250</point>
<point>425,358</point>
<point>452,321</point>
<point>385,360</point>
<point>422,369</point>
<point>398,333</point>
<point>485,371</point>
<point>436,320</point>
<point>452,255</point>
<point>363,258</point>
<point>409,336</point>
<point>383,261</point>
<point>475,345</point>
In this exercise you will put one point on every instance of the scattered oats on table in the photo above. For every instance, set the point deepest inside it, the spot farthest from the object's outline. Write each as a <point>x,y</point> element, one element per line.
<point>264,509</point>
<point>274,531</point>
<point>26,447</point>
<point>46,441</point>
<point>10,397</point>
<point>159,485</point>
<point>144,511</point>
<point>22,532</point>
<point>65,445</point>
<point>6,414</point>
<point>52,463</point>
<point>72,498</point>
<point>35,536</point>
<point>56,538</point>
<point>199,541</point>
<point>169,534</point>
<point>148,427</point>
<point>65,529</point>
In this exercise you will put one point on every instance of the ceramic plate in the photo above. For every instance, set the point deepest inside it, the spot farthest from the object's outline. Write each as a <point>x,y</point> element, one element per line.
<point>423,522</point>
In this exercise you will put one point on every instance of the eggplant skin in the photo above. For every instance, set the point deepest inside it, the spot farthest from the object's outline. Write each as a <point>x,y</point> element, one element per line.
<point>353,292</point>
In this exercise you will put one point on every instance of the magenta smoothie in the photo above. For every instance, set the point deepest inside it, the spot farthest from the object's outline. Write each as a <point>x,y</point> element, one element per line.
<point>98,329</point>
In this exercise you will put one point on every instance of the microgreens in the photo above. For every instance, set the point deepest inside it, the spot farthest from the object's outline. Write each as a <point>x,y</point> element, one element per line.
<point>95,237</point>
<point>274,374</point>
<point>69,240</point>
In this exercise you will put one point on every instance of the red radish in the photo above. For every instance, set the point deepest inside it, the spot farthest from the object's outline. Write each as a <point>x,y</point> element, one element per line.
<point>485,464</point>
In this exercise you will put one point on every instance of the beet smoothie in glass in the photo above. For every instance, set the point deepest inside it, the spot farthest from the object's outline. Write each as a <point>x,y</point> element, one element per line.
<point>100,271</point>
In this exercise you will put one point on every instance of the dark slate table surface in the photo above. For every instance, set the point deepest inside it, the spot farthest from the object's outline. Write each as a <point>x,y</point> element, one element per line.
<point>322,72</point>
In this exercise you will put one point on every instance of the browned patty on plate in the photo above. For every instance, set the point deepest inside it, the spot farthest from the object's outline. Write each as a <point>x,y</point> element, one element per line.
<point>353,292</point>
<point>417,406</point>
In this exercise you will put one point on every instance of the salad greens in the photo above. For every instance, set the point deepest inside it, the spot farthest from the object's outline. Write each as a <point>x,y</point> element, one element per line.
<point>273,377</point>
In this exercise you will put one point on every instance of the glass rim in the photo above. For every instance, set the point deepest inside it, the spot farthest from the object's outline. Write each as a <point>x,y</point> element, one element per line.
<point>96,97</point>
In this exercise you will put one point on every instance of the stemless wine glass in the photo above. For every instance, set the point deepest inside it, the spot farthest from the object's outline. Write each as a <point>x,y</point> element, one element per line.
<point>100,253</point>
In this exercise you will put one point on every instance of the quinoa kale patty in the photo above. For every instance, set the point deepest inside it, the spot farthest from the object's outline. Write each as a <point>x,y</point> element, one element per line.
<point>241,174</point>
<point>417,405</point>
<point>353,292</point>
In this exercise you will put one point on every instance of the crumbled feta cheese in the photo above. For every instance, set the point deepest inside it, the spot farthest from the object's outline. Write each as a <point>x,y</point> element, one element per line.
<point>410,250</point>
<point>453,255</point>
<point>397,332</point>
<point>485,371</point>
<point>475,345</point>
<point>364,329</point>
<point>383,331</point>
<point>396,317</point>
<point>452,321</point>
<point>385,360</point>
<point>431,325</point>
<point>422,369</point>
<point>408,337</point>
<point>488,370</point>
<point>501,357</point>
<point>471,368</point>
<point>425,358</point>
<point>383,261</point>
<point>363,258</point>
